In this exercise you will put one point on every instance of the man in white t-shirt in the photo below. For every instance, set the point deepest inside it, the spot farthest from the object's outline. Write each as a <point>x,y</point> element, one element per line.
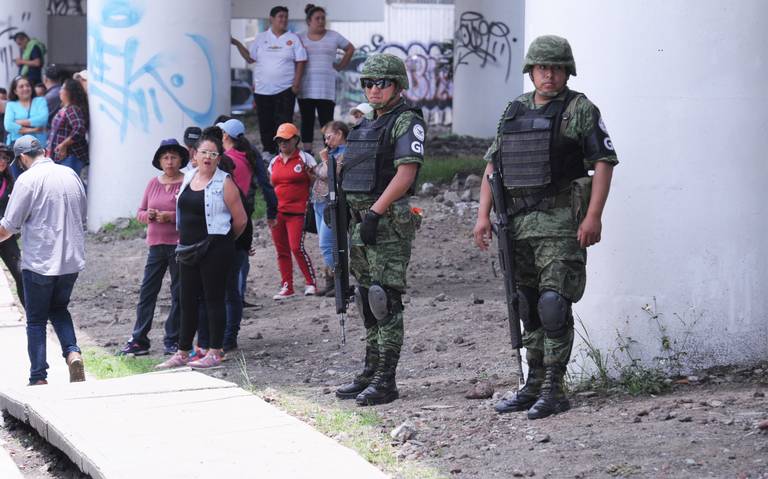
<point>280,58</point>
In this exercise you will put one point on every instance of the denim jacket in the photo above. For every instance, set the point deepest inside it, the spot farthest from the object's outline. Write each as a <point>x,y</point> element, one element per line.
<point>217,215</point>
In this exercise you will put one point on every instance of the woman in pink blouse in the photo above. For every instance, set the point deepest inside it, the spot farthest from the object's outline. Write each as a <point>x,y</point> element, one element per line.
<point>158,211</point>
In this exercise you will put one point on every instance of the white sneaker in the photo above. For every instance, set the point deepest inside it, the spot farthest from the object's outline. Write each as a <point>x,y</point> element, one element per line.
<point>285,292</point>
<point>310,290</point>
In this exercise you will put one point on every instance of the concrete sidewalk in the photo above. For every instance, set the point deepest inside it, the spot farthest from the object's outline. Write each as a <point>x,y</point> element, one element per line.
<point>175,424</point>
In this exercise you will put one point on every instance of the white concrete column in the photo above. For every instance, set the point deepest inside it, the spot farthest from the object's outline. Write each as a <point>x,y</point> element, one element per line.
<point>487,63</point>
<point>154,69</point>
<point>681,87</point>
<point>28,16</point>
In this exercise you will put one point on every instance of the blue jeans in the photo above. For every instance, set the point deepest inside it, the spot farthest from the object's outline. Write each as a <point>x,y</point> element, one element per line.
<point>47,298</point>
<point>324,234</point>
<point>233,302</point>
<point>73,162</point>
<point>160,258</point>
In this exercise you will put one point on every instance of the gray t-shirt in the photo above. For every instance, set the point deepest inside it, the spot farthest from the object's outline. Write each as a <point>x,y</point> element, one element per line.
<point>319,81</point>
<point>48,206</point>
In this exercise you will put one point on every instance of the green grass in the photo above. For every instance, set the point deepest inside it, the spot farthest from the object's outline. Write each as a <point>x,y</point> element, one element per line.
<point>358,430</point>
<point>106,366</point>
<point>259,207</point>
<point>441,169</point>
<point>132,231</point>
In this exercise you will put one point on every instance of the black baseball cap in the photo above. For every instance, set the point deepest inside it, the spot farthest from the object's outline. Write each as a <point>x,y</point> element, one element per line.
<point>191,135</point>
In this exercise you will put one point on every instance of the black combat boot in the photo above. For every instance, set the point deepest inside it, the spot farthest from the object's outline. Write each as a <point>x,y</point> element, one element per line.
<point>362,380</point>
<point>553,399</point>
<point>382,389</point>
<point>523,399</point>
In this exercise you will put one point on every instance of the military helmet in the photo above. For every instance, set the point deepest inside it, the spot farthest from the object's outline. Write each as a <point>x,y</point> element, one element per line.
<point>550,50</point>
<point>386,65</point>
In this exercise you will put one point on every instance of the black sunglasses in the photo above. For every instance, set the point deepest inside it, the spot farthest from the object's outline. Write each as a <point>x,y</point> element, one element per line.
<point>379,82</point>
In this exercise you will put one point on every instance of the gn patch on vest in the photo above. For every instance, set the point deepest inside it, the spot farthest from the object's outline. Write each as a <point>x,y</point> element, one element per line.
<point>370,154</point>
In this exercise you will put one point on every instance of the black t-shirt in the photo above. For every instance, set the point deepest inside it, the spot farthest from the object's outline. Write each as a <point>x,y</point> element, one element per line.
<point>192,225</point>
<point>34,74</point>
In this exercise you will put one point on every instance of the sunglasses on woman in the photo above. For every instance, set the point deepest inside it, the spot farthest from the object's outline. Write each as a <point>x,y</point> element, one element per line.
<point>379,82</point>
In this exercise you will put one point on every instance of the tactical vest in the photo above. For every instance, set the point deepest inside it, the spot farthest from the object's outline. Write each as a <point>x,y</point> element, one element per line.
<point>534,154</point>
<point>370,155</point>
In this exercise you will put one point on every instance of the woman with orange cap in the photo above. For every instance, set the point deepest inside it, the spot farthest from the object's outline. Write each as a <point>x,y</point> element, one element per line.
<point>291,173</point>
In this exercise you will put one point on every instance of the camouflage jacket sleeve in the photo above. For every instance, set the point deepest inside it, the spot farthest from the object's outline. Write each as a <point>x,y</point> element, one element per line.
<point>408,137</point>
<point>587,127</point>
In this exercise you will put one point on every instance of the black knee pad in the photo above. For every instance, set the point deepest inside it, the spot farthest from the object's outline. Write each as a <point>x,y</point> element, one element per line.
<point>361,301</point>
<point>384,302</point>
<point>527,307</point>
<point>555,313</point>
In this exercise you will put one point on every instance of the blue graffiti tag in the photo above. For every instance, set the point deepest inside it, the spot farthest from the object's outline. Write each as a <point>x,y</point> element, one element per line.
<point>122,100</point>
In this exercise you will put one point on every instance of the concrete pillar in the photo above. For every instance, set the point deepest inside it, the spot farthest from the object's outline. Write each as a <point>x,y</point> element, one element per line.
<point>681,89</point>
<point>154,69</point>
<point>487,63</point>
<point>28,16</point>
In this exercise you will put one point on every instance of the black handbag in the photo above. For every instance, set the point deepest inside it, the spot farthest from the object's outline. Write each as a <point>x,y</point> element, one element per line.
<point>310,222</point>
<point>191,255</point>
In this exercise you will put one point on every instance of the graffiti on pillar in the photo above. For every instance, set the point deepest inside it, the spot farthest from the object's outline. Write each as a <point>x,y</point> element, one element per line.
<point>9,51</point>
<point>128,78</point>
<point>484,41</point>
<point>430,74</point>
<point>67,7</point>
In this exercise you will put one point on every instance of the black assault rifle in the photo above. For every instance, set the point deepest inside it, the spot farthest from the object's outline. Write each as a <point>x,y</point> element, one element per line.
<point>507,262</point>
<point>339,223</point>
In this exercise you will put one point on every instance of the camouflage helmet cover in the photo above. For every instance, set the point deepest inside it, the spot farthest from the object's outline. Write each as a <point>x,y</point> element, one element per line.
<point>550,50</point>
<point>386,65</point>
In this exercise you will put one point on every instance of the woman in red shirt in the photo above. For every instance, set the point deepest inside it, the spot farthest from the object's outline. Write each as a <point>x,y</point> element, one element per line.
<point>291,175</point>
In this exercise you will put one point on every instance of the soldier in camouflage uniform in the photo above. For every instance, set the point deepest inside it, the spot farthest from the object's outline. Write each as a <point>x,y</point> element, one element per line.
<point>547,141</point>
<point>381,163</point>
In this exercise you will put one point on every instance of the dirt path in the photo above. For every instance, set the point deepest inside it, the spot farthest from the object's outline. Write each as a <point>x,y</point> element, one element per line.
<point>456,335</point>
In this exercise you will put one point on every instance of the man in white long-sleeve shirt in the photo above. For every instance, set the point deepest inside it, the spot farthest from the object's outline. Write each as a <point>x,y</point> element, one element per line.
<point>48,207</point>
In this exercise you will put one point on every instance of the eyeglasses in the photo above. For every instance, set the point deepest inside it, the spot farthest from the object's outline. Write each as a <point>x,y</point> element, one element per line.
<point>5,158</point>
<point>280,141</point>
<point>210,154</point>
<point>382,83</point>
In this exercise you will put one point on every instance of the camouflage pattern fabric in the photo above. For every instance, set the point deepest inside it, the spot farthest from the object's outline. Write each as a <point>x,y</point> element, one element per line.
<point>550,50</point>
<point>386,262</point>
<point>385,65</point>
<point>547,255</point>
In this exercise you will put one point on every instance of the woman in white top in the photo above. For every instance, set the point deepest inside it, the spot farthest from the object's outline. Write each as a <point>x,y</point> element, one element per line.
<point>280,59</point>
<point>318,87</point>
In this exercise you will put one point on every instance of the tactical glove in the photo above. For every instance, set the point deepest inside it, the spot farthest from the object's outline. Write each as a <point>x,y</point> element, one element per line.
<point>369,226</point>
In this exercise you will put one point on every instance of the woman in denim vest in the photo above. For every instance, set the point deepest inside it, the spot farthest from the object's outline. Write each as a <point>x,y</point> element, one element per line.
<point>209,217</point>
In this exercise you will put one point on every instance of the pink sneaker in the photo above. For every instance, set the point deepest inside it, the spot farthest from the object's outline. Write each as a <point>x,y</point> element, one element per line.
<point>284,293</point>
<point>176,361</point>
<point>211,360</point>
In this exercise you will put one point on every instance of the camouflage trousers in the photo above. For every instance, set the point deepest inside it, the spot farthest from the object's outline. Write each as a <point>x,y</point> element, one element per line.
<point>384,263</point>
<point>557,264</point>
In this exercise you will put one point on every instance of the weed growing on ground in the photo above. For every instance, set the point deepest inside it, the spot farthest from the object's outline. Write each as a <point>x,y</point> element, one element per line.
<point>622,368</point>
<point>106,366</point>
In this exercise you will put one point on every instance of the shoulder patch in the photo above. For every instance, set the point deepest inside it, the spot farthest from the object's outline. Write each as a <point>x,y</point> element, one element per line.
<point>418,132</point>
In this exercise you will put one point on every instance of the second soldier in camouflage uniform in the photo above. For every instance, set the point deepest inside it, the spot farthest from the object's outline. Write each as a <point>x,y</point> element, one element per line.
<point>547,141</point>
<point>381,163</point>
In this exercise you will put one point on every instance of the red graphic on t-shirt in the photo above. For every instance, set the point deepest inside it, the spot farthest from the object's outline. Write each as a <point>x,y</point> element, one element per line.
<point>289,42</point>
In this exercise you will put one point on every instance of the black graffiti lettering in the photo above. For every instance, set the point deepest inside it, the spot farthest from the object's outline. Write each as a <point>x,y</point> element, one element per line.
<point>487,41</point>
<point>430,73</point>
<point>9,51</point>
<point>66,7</point>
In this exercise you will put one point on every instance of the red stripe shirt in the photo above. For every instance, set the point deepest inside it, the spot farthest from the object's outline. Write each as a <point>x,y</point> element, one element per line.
<point>291,181</point>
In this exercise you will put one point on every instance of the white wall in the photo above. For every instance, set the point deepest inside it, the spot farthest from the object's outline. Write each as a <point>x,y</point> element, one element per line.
<point>28,16</point>
<point>344,10</point>
<point>488,55</point>
<point>681,86</point>
<point>153,71</point>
